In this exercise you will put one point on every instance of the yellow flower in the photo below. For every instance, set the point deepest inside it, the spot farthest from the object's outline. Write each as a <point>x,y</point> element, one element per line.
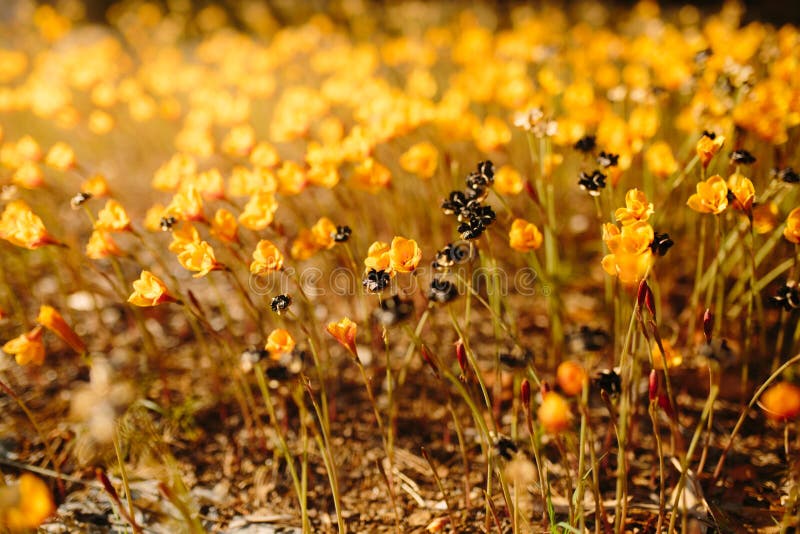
<point>61,157</point>
<point>554,413</point>
<point>27,348</point>
<point>21,227</point>
<point>636,208</point>
<point>492,134</point>
<point>113,218</point>
<point>765,217</point>
<point>508,181</point>
<point>659,159</point>
<point>26,505</point>
<point>524,236</point>
<point>371,176</point>
<point>711,196</point>
<point>28,149</point>
<point>708,146</point>
<point>266,258</point>
<point>630,256</point>
<point>378,256</point>
<point>264,155</point>
<point>323,175</point>
<point>404,255</point>
<point>101,245</point>
<point>304,246</point>
<point>153,216</point>
<point>792,230</point>
<point>149,290</point>
<point>97,186</point>
<point>279,342</point>
<point>781,401</point>
<point>224,226</point>
<point>209,184</point>
<point>170,175</point>
<point>420,159</point>
<point>291,178</point>
<point>674,358</point>
<point>28,175</point>
<point>239,141</point>
<point>259,211</point>
<point>199,256</point>
<point>345,333</point>
<point>51,319</point>
<point>186,205</point>
<point>571,377</point>
<point>743,192</point>
<point>323,232</point>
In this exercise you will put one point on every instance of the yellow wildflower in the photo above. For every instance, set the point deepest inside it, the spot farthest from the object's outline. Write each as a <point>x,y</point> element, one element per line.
<point>524,236</point>
<point>711,196</point>
<point>27,348</point>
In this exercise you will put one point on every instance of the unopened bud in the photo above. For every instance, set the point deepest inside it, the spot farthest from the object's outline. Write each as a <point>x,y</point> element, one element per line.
<point>653,385</point>
<point>525,395</point>
<point>708,324</point>
<point>426,355</point>
<point>645,298</point>
<point>461,355</point>
<point>545,388</point>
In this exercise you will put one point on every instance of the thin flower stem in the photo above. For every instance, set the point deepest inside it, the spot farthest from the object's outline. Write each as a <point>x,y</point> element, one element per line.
<point>695,298</point>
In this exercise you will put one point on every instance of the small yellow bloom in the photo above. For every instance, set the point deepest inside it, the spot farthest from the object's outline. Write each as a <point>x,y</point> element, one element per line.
<point>508,181</point>
<point>781,401</point>
<point>304,246</point>
<point>187,205</point>
<point>492,134</point>
<point>27,348</point>
<point>279,342</point>
<point>708,146</point>
<point>210,184</point>
<point>198,256</point>
<point>149,290</point>
<point>23,228</point>
<point>259,211</point>
<point>711,196</point>
<point>224,226</point>
<point>371,176</point>
<point>101,245</point>
<point>765,217</point>
<point>264,155</point>
<point>345,333</point>
<point>378,257</point>
<point>153,216</point>
<point>659,159</point>
<point>291,178</point>
<point>674,358</point>
<point>636,208</point>
<point>266,258</point>
<point>571,377</point>
<point>420,159</point>
<point>113,218</point>
<point>28,175</point>
<point>323,232</point>
<point>28,149</point>
<point>554,413</point>
<point>239,141</point>
<point>97,186</point>
<point>631,256</point>
<point>170,175</point>
<point>404,255</point>
<point>744,194</point>
<point>61,157</point>
<point>524,236</point>
<point>792,230</point>
<point>26,505</point>
<point>51,319</point>
<point>323,175</point>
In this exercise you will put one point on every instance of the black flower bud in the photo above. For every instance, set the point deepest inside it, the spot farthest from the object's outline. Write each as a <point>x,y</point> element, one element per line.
<point>585,144</point>
<point>281,303</point>
<point>376,281</point>
<point>342,234</point>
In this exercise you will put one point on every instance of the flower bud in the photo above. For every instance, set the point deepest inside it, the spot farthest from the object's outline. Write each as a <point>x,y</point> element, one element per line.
<point>461,355</point>
<point>653,385</point>
<point>708,324</point>
<point>525,395</point>
<point>426,355</point>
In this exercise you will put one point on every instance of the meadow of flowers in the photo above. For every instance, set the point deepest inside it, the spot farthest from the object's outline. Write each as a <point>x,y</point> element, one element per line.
<point>401,267</point>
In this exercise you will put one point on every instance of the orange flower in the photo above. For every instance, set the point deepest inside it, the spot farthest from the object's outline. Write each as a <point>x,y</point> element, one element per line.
<point>371,176</point>
<point>199,256</point>
<point>224,226</point>
<point>744,194</point>
<point>304,246</point>
<point>765,217</point>
<point>659,159</point>
<point>97,186</point>
<point>51,319</point>
<point>279,342</point>
<point>524,236</point>
<point>508,181</point>
<point>636,208</point>
<point>792,230</point>
<point>323,232</point>
<point>153,216</point>
<point>239,140</point>
<point>674,358</point>
<point>101,245</point>
<point>21,227</point>
<point>61,157</point>
<point>711,196</point>
<point>492,134</point>
<point>378,257</point>
<point>187,205</point>
<point>26,505</point>
<point>264,155</point>
<point>630,256</point>
<point>113,218</point>
<point>149,290</point>
<point>571,377</point>
<point>266,258</point>
<point>345,333</point>
<point>259,211</point>
<point>291,178</point>
<point>781,401</point>
<point>323,175</point>
<point>554,413</point>
<point>28,175</point>
<point>404,255</point>
<point>210,184</point>
<point>169,176</point>
<point>182,236</point>
<point>708,146</point>
<point>27,348</point>
<point>420,159</point>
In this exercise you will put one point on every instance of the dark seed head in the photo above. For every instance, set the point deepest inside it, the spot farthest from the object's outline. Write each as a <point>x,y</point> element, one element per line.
<point>442,290</point>
<point>393,310</point>
<point>78,200</point>
<point>609,382</point>
<point>587,143</point>
<point>505,446</point>
<point>592,183</point>
<point>742,157</point>
<point>486,169</point>
<point>342,234</point>
<point>661,244</point>
<point>376,281</point>
<point>606,160</point>
<point>167,223</point>
<point>787,175</point>
<point>787,296</point>
<point>281,303</point>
